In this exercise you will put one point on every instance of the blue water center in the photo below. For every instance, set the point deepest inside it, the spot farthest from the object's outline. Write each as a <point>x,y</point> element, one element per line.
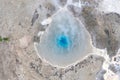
<point>63,41</point>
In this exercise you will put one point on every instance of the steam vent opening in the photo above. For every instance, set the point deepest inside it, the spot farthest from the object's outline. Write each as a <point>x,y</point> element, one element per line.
<point>65,41</point>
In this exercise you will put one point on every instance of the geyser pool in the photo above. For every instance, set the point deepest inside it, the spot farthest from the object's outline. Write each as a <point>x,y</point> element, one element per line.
<point>65,41</point>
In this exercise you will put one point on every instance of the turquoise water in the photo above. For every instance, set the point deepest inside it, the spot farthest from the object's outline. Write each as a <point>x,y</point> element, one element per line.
<point>63,41</point>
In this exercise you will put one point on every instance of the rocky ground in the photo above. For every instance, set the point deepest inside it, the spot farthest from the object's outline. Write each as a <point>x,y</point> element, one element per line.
<point>20,21</point>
